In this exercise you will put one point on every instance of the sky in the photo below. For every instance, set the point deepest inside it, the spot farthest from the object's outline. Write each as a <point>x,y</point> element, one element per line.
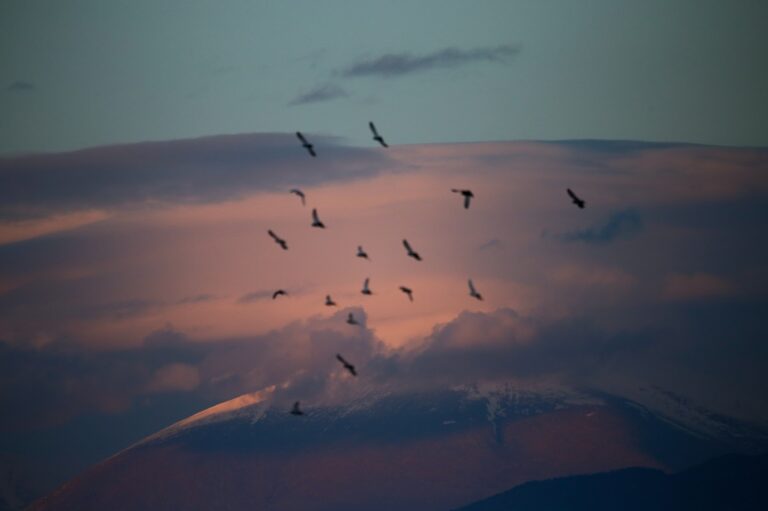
<point>87,73</point>
<point>146,148</point>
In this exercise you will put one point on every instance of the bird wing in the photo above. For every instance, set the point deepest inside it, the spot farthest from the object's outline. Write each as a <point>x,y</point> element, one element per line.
<point>272,235</point>
<point>571,194</point>
<point>301,137</point>
<point>466,201</point>
<point>314,216</point>
<point>472,287</point>
<point>365,284</point>
<point>373,129</point>
<point>296,406</point>
<point>407,246</point>
<point>341,359</point>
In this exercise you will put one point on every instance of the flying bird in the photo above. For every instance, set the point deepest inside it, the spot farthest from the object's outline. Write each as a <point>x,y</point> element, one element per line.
<point>579,202</point>
<point>329,302</point>
<point>473,292</point>
<point>467,196</point>
<point>316,220</point>
<point>351,319</point>
<point>296,410</point>
<point>278,293</point>
<point>378,138</point>
<point>349,367</point>
<point>407,291</point>
<point>362,253</point>
<point>411,252</point>
<point>298,192</point>
<point>366,290</point>
<point>278,239</point>
<point>306,145</point>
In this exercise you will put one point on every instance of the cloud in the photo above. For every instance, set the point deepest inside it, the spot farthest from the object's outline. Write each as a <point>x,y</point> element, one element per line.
<point>400,64</point>
<point>621,225</point>
<point>174,377</point>
<point>255,296</point>
<point>493,244</point>
<point>21,86</point>
<point>204,297</point>
<point>324,92</point>
<point>204,170</point>
<point>696,286</point>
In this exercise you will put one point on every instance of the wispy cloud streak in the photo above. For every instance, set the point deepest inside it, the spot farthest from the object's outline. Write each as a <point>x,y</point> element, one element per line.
<point>399,64</point>
<point>324,92</point>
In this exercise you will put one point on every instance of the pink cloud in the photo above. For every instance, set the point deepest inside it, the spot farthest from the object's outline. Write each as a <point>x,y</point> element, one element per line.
<point>694,286</point>
<point>174,377</point>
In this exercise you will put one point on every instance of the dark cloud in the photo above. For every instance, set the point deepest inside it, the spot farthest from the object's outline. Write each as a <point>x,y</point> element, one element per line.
<point>400,64</point>
<point>620,225</point>
<point>21,86</point>
<point>325,92</point>
<point>200,170</point>
<point>493,244</point>
<point>204,297</point>
<point>255,296</point>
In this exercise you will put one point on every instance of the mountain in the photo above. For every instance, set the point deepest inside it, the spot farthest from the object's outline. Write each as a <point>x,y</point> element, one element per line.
<point>732,482</point>
<point>380,450</point>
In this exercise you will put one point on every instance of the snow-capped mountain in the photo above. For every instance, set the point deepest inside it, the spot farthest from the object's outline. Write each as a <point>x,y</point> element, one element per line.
<point>387,449</point>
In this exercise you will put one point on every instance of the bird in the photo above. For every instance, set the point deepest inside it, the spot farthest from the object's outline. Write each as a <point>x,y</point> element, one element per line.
<point>351,319</point>
<point>306,145</point>
<point>278,293</point>
<point>366,290</point>
<point>411,252</point>
<point>278,239</point>
<point>349,367</point>
<point>362,253</point>
<point>316,220</point>
<point>298,192</point>
<point>407,291</point>
<point>329,302</point>
<point>378,138</point>
<point>296,410</point>
<point>467,196</point>
<point>579,202</point>
<point>473,292</point>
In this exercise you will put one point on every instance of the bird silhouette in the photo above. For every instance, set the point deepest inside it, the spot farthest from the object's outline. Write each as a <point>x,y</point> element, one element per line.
<point>306,145</point>
<point>329,302</point>
<point>376,135</point>
<point>366,290</point>
<point>298,192</point>
<point>351,319</point>
<point>579,202</point>
<point>467,196</point>
<point>296,410</point>
<point>473,292</point>
<point>316,220</point>
<point>349,367</point>
<point>278,239</point>
<point>278,293</point>
<point>411,252</point>
<point>407,291</point>
<point>362,253</point>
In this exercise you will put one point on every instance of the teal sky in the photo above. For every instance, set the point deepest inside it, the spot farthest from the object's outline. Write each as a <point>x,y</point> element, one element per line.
<point>92,72</point>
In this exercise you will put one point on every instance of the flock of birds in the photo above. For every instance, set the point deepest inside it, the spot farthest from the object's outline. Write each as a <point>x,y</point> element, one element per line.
<point>410,252</point>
